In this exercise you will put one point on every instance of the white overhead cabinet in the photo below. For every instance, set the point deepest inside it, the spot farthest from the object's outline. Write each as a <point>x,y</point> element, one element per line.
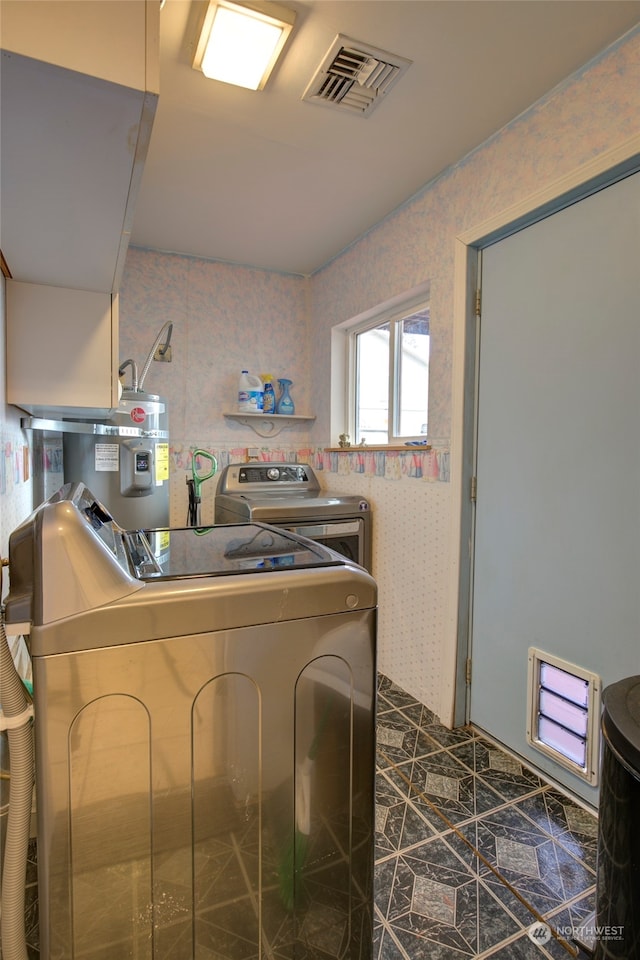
<point>79,90</point>
<point>62,350</point>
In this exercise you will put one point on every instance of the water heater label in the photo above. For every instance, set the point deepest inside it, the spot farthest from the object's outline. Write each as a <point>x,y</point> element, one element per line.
<point>162,463</point>
<point>107,457</point>
<point>138,415</point>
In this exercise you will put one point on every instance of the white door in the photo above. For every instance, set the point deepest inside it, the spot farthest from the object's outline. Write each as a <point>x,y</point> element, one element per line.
<point>557,541</point>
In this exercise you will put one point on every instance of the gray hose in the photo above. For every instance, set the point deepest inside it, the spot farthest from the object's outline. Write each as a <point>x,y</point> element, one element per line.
<point>134,371</point>
<point>168,326</point>
<point>14,702</point>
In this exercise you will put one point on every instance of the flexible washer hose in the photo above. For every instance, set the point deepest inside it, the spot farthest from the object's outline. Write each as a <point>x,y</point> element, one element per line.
<point>15,705</point>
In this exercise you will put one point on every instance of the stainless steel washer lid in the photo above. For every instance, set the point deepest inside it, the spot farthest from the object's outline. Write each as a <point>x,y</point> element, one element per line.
<point>222,551</point>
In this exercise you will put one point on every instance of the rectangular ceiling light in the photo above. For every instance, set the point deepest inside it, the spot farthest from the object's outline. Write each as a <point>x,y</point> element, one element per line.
<point>240,42</point>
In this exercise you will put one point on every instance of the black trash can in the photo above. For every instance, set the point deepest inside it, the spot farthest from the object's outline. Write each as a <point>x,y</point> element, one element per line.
<point>618,883</point>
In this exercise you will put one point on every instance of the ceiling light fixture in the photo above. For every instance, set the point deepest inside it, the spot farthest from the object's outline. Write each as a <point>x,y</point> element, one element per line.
<point>240,42</point>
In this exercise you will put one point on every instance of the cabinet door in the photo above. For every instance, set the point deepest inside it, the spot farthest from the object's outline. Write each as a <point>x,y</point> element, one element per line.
<point>61,350</point>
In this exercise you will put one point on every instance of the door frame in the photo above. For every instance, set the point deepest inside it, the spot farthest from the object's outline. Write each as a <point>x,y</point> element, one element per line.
<point>598,173</point>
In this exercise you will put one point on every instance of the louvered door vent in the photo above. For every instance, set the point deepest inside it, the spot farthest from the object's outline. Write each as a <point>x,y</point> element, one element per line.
<point>354,76</point>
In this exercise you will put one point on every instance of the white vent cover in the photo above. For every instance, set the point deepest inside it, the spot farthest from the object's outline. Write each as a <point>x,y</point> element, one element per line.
<point>563,713</point>
<point>354,76</point>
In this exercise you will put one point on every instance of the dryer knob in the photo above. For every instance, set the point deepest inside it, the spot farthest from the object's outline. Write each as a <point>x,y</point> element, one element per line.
<point>273,473</point>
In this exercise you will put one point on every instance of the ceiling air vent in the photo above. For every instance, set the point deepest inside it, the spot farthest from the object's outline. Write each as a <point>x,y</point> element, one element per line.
<point>354,76</point>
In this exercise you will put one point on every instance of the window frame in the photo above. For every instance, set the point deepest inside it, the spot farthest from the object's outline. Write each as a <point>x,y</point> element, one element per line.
<point>394,316</point>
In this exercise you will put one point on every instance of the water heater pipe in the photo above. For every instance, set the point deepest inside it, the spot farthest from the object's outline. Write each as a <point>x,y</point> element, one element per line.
<point>169,327</point>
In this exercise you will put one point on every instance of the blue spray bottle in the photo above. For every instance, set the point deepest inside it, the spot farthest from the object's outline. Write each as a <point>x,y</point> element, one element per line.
<point>285,403</point>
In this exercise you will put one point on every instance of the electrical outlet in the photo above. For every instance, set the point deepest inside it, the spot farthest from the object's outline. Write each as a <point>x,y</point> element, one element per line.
<point>163,357</point>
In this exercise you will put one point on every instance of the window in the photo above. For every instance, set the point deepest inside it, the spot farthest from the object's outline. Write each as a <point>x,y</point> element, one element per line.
<point>389,383</point>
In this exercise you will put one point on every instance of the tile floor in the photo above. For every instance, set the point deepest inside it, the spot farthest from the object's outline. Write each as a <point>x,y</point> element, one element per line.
<point>441,793</point>
<point>442,798</point>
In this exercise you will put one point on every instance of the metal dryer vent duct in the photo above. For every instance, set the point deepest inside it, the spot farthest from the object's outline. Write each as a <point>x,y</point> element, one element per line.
<point>354,76</point>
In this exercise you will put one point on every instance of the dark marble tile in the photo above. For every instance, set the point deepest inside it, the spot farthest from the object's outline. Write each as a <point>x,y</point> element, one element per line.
<point>384,706</point>
<point>463,841</point>
<point>32,930</point>
<point>492,924</point>
<point>542,871</point>
<point>506,775</point>
<point>392,693</point>
<point>521,949</point>
<point>418,947</point>
<point>420,715</point>
<point>389,816</point>
<point>444,790</point>
<point>415,829</point>
<point>429,897</point>
<point>443,735</point>
<point>575,923</point>
<point>383,885</point>
<point>567,822</point>
<point>396,738</point>
<point>32,862</point>
<point>436,899</point>
<point>398,824</point>
<point>385,947</point>
<point>517,907</point>
<point>393,697</point>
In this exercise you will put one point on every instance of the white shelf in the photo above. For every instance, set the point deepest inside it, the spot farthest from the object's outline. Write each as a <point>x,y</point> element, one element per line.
<point>268,424</point>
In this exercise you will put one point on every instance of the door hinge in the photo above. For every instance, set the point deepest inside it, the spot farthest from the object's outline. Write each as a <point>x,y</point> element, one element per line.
<point>474,489</point>
<point>478,302</point>
<point>467,671</point>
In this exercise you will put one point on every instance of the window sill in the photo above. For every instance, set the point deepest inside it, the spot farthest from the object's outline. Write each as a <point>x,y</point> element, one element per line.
<point>377,447</point>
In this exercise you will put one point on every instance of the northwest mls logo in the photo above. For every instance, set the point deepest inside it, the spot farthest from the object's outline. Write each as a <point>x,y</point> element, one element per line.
<point>540,933</point>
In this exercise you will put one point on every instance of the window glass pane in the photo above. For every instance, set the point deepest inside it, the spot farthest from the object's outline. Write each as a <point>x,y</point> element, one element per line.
<point>413,369</point>
<point>372,394</point>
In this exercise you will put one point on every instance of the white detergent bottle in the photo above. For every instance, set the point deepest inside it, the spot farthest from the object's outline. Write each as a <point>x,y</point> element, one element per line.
<point>250,393</point>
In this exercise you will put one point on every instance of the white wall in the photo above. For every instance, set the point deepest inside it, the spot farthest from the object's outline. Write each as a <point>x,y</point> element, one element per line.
<point>15,457</point>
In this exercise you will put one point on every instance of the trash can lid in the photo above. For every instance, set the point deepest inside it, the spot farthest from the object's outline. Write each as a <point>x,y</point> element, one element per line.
<point>621,719</point>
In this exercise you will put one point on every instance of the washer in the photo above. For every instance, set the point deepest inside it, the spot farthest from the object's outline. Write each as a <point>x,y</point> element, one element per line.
<point>289,496</point>
<point>205,738</point>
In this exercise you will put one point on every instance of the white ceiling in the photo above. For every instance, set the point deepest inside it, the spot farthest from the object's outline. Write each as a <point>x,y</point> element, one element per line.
<point>267,180</point>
